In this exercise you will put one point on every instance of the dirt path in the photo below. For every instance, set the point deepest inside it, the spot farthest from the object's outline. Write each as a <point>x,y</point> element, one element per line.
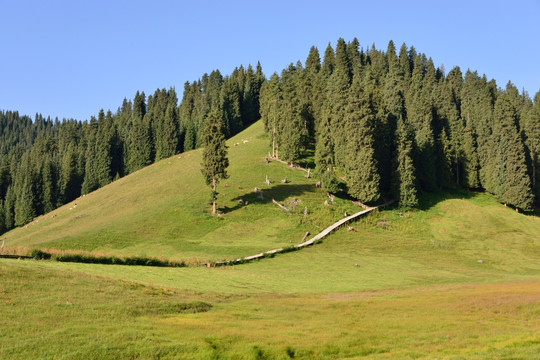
<point>309,242</point>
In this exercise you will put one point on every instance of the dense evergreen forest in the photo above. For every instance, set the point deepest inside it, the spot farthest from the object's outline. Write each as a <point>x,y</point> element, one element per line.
<point>380,125</point>
<point>46,163</point>
<point>389,125</point>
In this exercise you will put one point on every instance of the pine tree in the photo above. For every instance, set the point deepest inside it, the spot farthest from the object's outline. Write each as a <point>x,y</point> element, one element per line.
<point>329,63</point>
<point>270,102</point>
<point>230,105</point>
<point>290,127</point>
<point>167,133</point>
<point>70,184</point>
<point>532,134</point>
<point>337,92</point>
<point>404,176</point>
<point>25,203</point>
<point>90,182</point>
<point>215,161</point>
<point>471,166</point>
<point>140,147</point>
<point>50,193</point>
<point>360,165</point>
<point>324,156</point>
<point>104,142</point>
<point>507,174</point>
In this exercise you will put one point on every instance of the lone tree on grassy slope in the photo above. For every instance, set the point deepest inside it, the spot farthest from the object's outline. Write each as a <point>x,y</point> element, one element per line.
<point>215,161</point>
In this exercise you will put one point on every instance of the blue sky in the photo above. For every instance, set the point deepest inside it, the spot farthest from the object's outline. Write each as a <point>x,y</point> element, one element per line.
<point>68,59</point>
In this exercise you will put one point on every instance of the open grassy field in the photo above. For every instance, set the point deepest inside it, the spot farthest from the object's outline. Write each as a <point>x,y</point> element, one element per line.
<point>62,313</point>
<point>457,279</point>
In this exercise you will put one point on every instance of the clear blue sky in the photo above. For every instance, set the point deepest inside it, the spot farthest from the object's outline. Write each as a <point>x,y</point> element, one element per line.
<point>71,58</point>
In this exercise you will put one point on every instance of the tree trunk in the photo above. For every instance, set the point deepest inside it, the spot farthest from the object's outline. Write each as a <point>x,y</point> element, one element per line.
<point>274,142</point>
<point>214,212</point>
<point>534,171</point>
<point>457,168</point>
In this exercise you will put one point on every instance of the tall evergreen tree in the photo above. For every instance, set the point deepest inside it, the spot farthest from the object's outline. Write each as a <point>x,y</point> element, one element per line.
<point>508,178</point>
<point>140,148</point>
<point>532,134</point>
<point>90,182</point>
<point>215,161</point>
<point>25,203</point>
<point>324,156</point>
<point>404,176</point>
<point>360,165</point>
<point>471,167</point>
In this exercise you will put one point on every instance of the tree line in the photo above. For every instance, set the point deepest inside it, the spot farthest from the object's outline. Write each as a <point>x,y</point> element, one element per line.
<point>46,163</point>
<point>389,124</point>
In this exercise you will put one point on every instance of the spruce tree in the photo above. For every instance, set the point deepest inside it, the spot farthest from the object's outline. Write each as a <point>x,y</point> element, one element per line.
<point>270,102</point>
<point>104,142</point>
<point>532,134</point>
<point>324,156</point>
<point>471,165</point>
<point>25,203</point>
<point>508,178</point>
<point>329,63</point>
<point>404,176</point>
<point>337,92</point>
<point>167,133</point>
<point>70,185</point>
<point>215,161</point>
<point>290,127</point>
<point>140,142</point>
<point>360,165</point>
<point>230,105</point>
<point>90,182</point>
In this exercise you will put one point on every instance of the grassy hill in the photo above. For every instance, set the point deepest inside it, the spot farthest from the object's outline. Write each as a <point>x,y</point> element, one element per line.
<point>457,279</point>
<point>163,210</point>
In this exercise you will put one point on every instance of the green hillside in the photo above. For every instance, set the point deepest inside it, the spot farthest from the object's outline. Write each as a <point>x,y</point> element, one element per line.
<point>458,278</point>
<point>162,210</point>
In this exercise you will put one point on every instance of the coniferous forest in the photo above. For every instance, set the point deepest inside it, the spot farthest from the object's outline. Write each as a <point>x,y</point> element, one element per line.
<point>390,124</point>
<point>380,125</point>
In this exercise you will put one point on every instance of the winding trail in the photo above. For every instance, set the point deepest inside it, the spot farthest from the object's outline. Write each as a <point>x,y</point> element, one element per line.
<point>309,242</point>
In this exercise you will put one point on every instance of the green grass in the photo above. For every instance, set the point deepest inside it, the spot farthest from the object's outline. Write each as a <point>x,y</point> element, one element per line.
<point>458,279</point>
<point>64,314</point>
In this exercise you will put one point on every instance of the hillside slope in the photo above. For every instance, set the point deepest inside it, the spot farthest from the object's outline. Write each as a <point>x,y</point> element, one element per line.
<point>162,210</point>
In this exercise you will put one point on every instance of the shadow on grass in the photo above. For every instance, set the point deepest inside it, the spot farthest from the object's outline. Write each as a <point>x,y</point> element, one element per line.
<point>278,192</point>
<point>427,200</point>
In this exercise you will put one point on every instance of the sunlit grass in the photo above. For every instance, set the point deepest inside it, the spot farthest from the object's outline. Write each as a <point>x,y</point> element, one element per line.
<point>48,312</point>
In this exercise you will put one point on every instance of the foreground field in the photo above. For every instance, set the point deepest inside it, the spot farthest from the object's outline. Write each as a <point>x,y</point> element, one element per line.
<point>62,314</point>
